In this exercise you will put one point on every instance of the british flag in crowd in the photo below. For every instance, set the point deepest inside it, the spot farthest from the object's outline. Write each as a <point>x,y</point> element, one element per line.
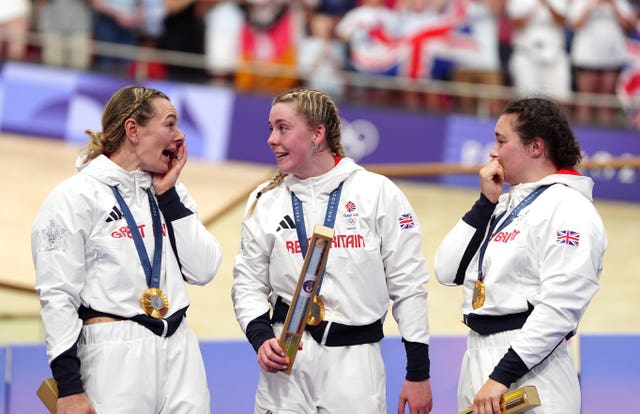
<point>406,221</point>
<point>350,206</point>
<point>569,237</point>
<point>628,86</point>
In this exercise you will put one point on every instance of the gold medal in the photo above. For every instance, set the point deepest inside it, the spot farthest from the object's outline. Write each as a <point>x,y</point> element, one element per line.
<point>154,303</point>
<point>478,294</point>
<point>316,311</point>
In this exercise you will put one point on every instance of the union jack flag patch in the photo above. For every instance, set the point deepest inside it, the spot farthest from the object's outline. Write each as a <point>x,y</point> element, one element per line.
<point>350,206</point>
<point>569,237</point>
<point>406,221</point>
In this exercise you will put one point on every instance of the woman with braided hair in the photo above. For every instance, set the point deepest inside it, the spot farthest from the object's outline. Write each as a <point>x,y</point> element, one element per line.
<point>375,258</point>
<point>113,246</point>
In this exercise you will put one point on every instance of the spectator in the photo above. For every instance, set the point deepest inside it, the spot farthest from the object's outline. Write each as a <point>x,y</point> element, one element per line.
<point>322,58</point>
<point>66,27</point>
<point>268,46</point>
<point>481,64</point>
<point>335,8</point>
<point>115,21</point>
<point>505,34</point>
<point>368,31</point>
<point>184,32</point>
<point>15,18</point>
<point>429,46</point>
<point>222,24</point>
<point>598,50</point>
<point>539,62</point>
<point>153,12</point>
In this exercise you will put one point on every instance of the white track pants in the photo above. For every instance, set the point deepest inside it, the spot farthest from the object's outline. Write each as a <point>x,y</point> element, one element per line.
<point>126,368</point>
<point>326,380</point>
<point>555,377</point>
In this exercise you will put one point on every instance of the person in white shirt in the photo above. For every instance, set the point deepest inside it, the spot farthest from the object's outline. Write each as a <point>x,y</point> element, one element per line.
<point>529,261</point>
<point>539,62</point>
<point>113,247</point>
<point>598,50</point>
<point>375,258</point>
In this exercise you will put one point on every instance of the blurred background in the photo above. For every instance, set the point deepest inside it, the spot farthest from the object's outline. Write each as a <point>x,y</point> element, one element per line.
<point>419,84</point>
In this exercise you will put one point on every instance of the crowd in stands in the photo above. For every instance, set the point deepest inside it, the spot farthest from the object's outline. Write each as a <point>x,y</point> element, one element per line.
<point>553,47</point>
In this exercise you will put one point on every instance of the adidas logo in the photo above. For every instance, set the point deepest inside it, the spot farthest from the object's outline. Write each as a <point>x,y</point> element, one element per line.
<point>286,223</point>
<point>114,215</point>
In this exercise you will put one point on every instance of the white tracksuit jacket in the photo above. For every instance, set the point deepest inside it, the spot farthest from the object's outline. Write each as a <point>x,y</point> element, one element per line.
<point>84,255</point>
<point>549,256</point>
<point>375,254</point>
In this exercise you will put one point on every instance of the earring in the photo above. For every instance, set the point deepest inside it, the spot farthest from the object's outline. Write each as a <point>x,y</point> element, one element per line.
<point>315,148</point>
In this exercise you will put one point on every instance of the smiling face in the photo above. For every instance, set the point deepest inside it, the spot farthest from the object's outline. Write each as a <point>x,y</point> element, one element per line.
<point>160,139</point>
<point>292,140</point>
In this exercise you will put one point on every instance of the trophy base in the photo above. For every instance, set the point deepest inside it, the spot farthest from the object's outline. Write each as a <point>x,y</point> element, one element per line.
<point>48,394</point>
<point>516,401</point>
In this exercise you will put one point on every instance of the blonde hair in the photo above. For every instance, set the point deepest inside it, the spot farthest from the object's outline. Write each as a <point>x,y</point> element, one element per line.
<point>317,108</point>
<point>127,102</point>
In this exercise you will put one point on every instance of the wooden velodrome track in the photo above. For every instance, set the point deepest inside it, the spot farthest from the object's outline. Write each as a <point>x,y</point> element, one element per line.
<point>33,166</point>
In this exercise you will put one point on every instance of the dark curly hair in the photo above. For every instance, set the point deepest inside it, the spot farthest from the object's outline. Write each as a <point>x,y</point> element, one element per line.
<point>540,117</point>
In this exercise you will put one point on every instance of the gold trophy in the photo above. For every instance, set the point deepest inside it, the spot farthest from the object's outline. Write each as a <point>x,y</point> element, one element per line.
<point>516,401</point>
<point>299,312</point>
<point>48,393</point>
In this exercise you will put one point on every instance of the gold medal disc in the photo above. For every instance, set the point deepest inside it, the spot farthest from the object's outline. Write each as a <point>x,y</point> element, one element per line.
<point>478,294</point>
<point>154,303</point>
<point>316,311</point>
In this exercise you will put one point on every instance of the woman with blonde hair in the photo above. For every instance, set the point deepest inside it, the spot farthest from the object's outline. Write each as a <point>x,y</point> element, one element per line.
<point>375,257</point>
<point>113,246</point>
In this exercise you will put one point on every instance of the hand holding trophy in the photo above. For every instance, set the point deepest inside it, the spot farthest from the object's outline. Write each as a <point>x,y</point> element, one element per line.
<point>516,401</point>
<point>305,295</point>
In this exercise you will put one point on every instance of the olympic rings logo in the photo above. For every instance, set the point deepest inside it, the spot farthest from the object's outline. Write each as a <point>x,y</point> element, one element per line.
<point>359,138</point>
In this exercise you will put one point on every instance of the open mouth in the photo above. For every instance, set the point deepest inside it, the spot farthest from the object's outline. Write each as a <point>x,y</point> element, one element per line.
<point>281,154</point>
<point>171,155</point>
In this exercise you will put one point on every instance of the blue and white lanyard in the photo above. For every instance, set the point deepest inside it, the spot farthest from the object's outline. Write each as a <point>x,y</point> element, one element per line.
<point>329,220</point>
<point>527,200</point>
<point>152,273</point>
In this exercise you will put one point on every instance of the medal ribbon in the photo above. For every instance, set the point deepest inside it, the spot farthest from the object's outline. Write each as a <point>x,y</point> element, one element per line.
<point>527,200</point>
<point>329,219</point>
<point>152,273</point>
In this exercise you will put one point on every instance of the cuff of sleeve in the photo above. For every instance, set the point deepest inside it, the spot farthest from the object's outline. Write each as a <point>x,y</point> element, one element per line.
<point>480,213</point>
<point>259,330</point>
<point>509,369</point>
<point>66,371</point>
<point>171,206</point>
<point>418,364</point>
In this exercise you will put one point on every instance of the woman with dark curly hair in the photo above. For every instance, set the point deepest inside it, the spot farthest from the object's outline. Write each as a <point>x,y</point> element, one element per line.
<point>529,261</point>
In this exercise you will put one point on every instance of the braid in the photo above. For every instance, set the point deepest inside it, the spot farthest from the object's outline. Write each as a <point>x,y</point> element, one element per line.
<point>128,102</point>
<point>275,181</point>
<point>316,108</point>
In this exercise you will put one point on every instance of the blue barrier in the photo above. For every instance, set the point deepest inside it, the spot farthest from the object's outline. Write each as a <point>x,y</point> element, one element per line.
<point>610,373</point>
<point>4,387</point>
<point>27,367</point>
